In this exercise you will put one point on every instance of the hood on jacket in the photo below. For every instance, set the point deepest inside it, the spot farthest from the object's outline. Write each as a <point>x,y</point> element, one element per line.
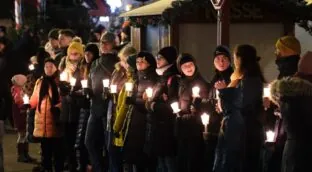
<point>290,87</point>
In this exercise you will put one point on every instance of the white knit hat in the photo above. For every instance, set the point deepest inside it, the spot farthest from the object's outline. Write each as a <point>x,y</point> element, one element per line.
<point>19,79</point>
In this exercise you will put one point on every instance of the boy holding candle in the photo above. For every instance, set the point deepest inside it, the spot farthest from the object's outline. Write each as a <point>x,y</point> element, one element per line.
<point>19,117</point>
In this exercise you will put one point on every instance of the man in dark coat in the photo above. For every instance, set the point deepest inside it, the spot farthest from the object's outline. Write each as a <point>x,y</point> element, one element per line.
<point>65,37</point>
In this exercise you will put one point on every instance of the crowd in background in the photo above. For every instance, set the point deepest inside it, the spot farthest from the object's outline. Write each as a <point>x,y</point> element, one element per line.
<point>104,106</point>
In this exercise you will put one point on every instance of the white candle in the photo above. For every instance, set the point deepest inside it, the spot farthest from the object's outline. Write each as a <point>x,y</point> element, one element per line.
<point>270,136</point>
<point>26,99</point>
<point>84,83</point>
<point>266,91</point>
<point>129,86</point>
<point>106,83</point>
<point>113,89</point>
<point>196,91</point>
<point>63,76</point>
<point>73,81</point>
<point>205,120</point>
<point>149,92</point>
<point>175,107</point>
<point>31,67</point>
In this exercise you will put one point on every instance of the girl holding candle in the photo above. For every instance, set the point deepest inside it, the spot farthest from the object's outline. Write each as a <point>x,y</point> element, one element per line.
<point>189,125</point>
<point>19,117</point>
<point>161,140</point>
<point>248,77</point>
<point>47,102</point>
<point>90,55</point>
<point>135,139</point>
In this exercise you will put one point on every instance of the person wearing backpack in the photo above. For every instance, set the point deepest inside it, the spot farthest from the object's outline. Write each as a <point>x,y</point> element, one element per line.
<point>161,141</point>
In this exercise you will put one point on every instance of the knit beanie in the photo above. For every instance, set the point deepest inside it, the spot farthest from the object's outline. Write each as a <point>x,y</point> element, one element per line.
<point>93,48</point>
<point>289,42</point>
<point>75,46</point>
<point>222,50</point>
<point>169,53</point>
<point>148,57</point>
<point>108,37</point>
<point>185,58</point>
<point>19,79</point>
<point>51,61</point>
<point>305,64</point>
<point>53,34</point>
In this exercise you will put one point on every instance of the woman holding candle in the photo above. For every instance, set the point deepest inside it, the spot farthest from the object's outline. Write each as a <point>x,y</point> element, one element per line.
<point>19,117</point>
<point>90,55</point>
<point>189,126</point>
<point>161,140</point>
<point>293,97</point>
<point>46,100</point>
<point>248,77</point>
<point>133,152</point>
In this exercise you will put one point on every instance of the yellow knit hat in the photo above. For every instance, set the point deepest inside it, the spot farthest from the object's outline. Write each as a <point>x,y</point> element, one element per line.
<point>75,46</point>
<point>289,43</point>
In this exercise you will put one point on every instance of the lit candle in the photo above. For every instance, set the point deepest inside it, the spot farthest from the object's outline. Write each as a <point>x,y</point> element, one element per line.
<point>72,81</point>
<point>106,83</point>
<point>149,92</point>
<point>31,67</point>
<point>113,89</point>
<point>266,91</point>
<point>205,120</point>
<point>129,87</point>
<point>196,91</point>
<point>63,76</point>
<point>26,99</point>
<point>84,83</point>
<point>175,107</point>
<point>270,136</point>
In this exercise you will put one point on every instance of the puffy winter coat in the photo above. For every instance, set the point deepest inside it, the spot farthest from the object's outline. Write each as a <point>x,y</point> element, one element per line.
<point>294,97</point>
<point>45,122</point>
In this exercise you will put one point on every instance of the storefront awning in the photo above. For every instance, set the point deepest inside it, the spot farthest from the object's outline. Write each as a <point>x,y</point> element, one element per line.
<point>155,8</point>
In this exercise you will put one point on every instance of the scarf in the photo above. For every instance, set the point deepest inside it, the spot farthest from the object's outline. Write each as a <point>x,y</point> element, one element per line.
<point>162,70</point>
<point>47,82</point>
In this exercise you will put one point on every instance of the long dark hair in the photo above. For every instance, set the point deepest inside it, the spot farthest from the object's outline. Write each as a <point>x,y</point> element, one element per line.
<point>249,61</point>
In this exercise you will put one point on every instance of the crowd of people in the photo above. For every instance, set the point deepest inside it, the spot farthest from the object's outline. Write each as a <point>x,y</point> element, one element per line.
<point>104,106</point>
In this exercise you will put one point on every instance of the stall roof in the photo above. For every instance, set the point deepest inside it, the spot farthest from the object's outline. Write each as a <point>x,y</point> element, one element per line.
<point>155,8</point>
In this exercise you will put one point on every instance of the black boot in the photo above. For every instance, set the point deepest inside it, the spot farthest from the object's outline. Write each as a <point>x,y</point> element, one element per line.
<point>20,153</point>
<point>26,154</point>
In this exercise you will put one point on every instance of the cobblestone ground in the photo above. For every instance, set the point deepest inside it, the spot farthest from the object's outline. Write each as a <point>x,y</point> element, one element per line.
<point>10,155</point>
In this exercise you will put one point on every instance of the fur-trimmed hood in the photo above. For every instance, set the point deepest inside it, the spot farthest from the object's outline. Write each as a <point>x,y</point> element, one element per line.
<point>290,87</point>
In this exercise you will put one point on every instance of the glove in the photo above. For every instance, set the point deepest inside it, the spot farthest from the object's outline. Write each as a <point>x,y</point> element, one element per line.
<point>64,88</point>
<point>130,100</point>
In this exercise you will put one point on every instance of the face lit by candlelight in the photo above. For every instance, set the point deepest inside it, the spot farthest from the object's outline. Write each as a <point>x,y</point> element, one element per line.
<point>161,61</point>
<point>141,64</point>
<point>188,68</point>
<point>221,62</point>
<point>49,68</point>
<point>88,57</point>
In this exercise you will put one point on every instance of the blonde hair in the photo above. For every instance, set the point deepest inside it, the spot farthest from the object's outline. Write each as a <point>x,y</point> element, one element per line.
<point>33,60</point>
<point>126,52</point>
<point>77,39</point>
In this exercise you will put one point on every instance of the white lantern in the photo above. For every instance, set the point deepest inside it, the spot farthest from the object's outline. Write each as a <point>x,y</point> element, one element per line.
<point>149,92</point>
<point>26,99</point>
<point>113,89</point>
<point>31,67</point>
<point>270,136</point>
<point>72,81</point>
<point>267,91</point>
<point>205,120</point>
<point>106,83</point>
<point>63,76</point>
<point>195,91</point>
<point>129,86</point>
<point>175,107</point>
<point>84,83</point>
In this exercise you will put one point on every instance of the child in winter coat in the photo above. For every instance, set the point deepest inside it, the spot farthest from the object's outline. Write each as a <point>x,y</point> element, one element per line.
<point>19,117</point>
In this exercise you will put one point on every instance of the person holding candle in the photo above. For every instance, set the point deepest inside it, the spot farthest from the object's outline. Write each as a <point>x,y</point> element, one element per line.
<point>133,150</point>
<point>101,69</point>
<point>47,102</point>
<point>293,96</point>
<point>162,139</point>
<point>90,55</point>
<point>119,77</point>
<point>249,78</point>
<point>19,117</point>
<point>230,143</point>
<point>189,126</point>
